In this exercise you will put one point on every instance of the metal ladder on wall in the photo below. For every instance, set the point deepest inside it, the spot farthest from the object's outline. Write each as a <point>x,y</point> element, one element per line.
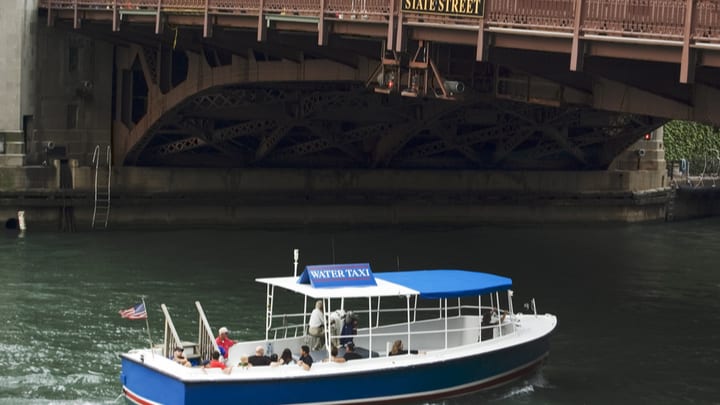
<point>670,204</point>
<point>101,211</point>
<point>67,210</point>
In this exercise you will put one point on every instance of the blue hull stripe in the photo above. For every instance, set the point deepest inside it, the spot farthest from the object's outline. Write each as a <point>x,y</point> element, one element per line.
<point>426,381</point>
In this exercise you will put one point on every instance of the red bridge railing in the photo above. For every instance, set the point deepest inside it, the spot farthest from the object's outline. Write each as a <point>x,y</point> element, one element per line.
<point>651,19</point>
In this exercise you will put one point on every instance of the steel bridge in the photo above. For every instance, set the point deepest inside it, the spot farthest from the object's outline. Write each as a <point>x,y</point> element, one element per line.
<point>476,84</point>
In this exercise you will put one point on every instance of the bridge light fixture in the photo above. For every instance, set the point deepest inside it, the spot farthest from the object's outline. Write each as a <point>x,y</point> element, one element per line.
<point>453,87</point>
<point>386,82</point>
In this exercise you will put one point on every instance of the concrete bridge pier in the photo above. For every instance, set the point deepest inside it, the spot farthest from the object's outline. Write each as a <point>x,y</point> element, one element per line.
<point>18,20</point>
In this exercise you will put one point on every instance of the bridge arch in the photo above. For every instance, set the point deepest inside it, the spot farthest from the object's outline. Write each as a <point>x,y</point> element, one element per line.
<point>201,84</point>
<point>318,113</point>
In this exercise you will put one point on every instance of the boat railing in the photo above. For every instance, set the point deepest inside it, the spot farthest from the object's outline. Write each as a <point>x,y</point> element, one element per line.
<point>171,339</point>
<point>453,311</point>
<point>293,325</point>
<point>287,330</point>
<point>206,340</point>
<point>435,338</point>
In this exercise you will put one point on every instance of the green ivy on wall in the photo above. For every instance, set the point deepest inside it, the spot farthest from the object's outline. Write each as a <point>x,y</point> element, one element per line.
<point>698,143</point>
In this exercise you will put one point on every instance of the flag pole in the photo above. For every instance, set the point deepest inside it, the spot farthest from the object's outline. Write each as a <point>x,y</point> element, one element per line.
<point>147,325</point>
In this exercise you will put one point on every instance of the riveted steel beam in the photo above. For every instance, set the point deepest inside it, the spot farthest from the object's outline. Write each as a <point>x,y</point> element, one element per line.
<point>324,143</point>
<point>398,136</point>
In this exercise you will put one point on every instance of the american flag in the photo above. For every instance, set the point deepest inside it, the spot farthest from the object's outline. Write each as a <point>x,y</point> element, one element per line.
<point>136,312</point>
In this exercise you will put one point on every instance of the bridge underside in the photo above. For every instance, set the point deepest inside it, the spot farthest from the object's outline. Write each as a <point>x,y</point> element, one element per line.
<point>342,125</point>
<point>186,100</point>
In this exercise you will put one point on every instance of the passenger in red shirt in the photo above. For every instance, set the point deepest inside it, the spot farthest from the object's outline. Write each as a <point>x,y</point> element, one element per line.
<point>215,362</point>
<point>224,342</point>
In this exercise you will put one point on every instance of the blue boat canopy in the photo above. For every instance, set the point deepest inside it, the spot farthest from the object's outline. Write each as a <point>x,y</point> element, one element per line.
<point>448,283</point>
<point>336,281</point>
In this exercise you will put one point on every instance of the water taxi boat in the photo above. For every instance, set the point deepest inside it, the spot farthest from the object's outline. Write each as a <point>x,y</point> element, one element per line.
<point>443,316</point>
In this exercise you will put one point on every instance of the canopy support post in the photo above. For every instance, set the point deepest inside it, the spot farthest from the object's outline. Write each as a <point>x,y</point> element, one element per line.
<point>407,305</point>
<point>370,328</point>
<point>446,324</point>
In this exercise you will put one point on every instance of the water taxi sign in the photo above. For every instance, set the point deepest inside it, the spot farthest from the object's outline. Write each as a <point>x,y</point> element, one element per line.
<point>338,275</point>
<point>457,8</point>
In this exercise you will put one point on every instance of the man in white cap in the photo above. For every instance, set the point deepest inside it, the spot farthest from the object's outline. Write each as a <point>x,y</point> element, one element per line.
<point>224,342</point>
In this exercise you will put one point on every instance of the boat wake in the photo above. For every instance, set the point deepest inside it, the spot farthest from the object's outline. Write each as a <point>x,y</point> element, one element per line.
<point>538,380</point>
<point>526,387</point>
<point>518,392</point>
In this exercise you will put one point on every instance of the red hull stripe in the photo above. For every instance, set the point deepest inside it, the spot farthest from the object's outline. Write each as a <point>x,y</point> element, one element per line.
<point>135,398</point>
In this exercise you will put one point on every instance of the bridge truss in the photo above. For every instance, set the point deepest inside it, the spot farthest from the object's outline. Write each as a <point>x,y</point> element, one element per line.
<point>290,125</point>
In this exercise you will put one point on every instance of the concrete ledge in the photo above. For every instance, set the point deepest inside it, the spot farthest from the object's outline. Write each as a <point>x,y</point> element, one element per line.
<point>12,160</point>
<point>43,209</point>
<point>27,178</point>
<point>128,179</point>
<point>160,197</point>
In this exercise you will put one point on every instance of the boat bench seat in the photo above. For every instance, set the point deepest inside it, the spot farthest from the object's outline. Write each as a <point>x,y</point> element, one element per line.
<point>194,359</point>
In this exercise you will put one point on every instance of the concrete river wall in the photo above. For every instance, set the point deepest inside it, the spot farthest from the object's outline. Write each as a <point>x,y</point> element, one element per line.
<point>63,196</point>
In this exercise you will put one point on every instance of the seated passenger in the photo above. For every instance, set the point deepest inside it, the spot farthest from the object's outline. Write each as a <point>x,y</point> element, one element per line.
<point>215,362</point>
<point>259,358</point>
<point>306,359</point>
<point>350,353</point>
<point>285,358</point>
<point>179,357</point>
<point>488,320</point>
<point>334,356</point>
<point>397,349</point>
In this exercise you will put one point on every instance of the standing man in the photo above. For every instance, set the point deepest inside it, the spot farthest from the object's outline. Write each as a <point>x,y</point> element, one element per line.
<point>224,342</point>
<point>316,326</point>
<point>349,329</point>
<point>489,319</point>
